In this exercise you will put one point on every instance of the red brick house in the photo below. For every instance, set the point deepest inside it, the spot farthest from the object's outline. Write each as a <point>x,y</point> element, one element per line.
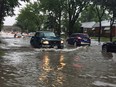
<point>105,29</point>
<point>87,27</point>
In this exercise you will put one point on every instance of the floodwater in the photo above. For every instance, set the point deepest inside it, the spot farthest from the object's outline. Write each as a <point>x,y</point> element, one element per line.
<point>24,66</point>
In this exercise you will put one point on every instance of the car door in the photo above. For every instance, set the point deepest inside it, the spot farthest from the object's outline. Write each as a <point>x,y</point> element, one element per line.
<point>38,37</point>
<point>114,46</point>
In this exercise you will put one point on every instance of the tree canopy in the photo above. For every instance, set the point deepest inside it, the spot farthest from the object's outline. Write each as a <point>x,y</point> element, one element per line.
<point>65,15</point>
<point>7,8</point>
<point>30,18</point>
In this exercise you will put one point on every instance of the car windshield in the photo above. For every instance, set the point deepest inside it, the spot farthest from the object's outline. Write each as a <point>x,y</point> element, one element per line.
<point>49,34</point>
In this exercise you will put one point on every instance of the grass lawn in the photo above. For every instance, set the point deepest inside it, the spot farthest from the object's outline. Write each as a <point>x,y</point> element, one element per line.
<point>1,53</point>
<point>103,39</point>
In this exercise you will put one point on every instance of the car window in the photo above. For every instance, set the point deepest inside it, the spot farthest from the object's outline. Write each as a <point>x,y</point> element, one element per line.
<point>39,34</point>
<point>49,34</point>
<point>83,35</point>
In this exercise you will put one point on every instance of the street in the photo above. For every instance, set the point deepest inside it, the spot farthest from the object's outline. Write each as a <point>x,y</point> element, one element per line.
<point>24,66</point>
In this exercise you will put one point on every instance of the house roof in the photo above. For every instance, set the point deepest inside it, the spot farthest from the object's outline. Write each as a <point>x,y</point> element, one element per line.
<point>105,23</point>
<point>88,24</point>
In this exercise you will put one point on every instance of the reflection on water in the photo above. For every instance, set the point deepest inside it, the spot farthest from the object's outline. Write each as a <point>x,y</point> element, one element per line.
<point>46,62</point>
<point>51,74</point>
<point>7,75</point>
<point>62,64</point>
<point>74,67</point>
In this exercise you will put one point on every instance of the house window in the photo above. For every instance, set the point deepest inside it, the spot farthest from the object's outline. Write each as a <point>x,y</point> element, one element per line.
<point>107,31</point>
<point>85,29</point>
<point>107,28</point>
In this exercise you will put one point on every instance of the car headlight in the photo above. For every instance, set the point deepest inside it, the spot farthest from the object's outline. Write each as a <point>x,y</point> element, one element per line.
<point>62,41</point>
<point>45,42</point>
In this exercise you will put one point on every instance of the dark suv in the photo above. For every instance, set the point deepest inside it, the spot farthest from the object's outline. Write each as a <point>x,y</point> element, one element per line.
<point>79,39</point>
<point>46,39</point>
<point>109,47</point>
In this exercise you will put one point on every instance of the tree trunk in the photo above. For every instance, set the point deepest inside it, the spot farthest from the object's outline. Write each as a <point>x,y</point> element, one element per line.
<point>111,24</point>
<point>99,34</point>
<point>71,27</point>
<point>1,13</point>
<point>59,25</point>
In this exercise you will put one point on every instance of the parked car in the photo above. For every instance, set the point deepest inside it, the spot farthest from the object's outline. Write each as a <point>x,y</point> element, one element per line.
<point>109,47</point>
<point>79,39</point>
<point>46,39</point>
<point>18,35</point>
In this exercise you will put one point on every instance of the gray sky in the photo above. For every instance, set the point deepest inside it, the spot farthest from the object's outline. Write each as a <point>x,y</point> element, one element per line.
<point>11,20</point>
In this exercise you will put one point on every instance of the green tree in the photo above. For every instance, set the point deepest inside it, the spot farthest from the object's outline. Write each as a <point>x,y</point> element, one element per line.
<point>7,8</point>
<point>50,22</point>
<point>100,9</point>
<point>74,9</point>
<point>30,17</point>
<point>89,14</point>
<point>111,6</point>
<point>53,9</point>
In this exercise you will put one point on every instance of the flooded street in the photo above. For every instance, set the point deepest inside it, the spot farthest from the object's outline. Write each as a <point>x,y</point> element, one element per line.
<point>24,66</point>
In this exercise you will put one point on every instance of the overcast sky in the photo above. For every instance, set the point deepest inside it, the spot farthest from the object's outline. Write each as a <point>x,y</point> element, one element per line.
<point>11,20</point>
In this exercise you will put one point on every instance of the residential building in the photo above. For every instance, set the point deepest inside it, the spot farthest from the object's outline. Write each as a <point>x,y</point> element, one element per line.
<point>87,27</point>
<point>105,31</point>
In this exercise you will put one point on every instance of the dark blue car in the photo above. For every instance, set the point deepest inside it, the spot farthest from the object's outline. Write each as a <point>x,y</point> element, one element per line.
<point>79,39</point>
<point>46,39</point>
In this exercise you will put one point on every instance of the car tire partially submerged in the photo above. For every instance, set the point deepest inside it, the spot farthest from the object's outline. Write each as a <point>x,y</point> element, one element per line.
<point>104,48</point>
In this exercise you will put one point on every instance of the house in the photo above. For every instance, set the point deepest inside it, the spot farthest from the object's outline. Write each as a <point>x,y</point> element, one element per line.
<point>105,29</point>
<point>87,27</point>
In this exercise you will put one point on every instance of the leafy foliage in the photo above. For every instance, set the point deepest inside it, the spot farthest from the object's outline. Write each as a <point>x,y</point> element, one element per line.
<point>74,9</point>
<point>54,10</point>
<point>30,18</point>
<point>7,8</point>
<point>110,5</point>
<point>63,15</point>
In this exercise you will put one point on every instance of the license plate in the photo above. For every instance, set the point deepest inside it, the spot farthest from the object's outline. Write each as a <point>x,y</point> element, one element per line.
<point>84,43</point>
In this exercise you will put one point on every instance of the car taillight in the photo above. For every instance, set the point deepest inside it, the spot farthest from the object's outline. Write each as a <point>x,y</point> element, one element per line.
<point>79,37</point>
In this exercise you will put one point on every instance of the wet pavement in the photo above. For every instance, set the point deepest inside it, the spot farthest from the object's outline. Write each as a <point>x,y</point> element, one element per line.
<point>24,66</point>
